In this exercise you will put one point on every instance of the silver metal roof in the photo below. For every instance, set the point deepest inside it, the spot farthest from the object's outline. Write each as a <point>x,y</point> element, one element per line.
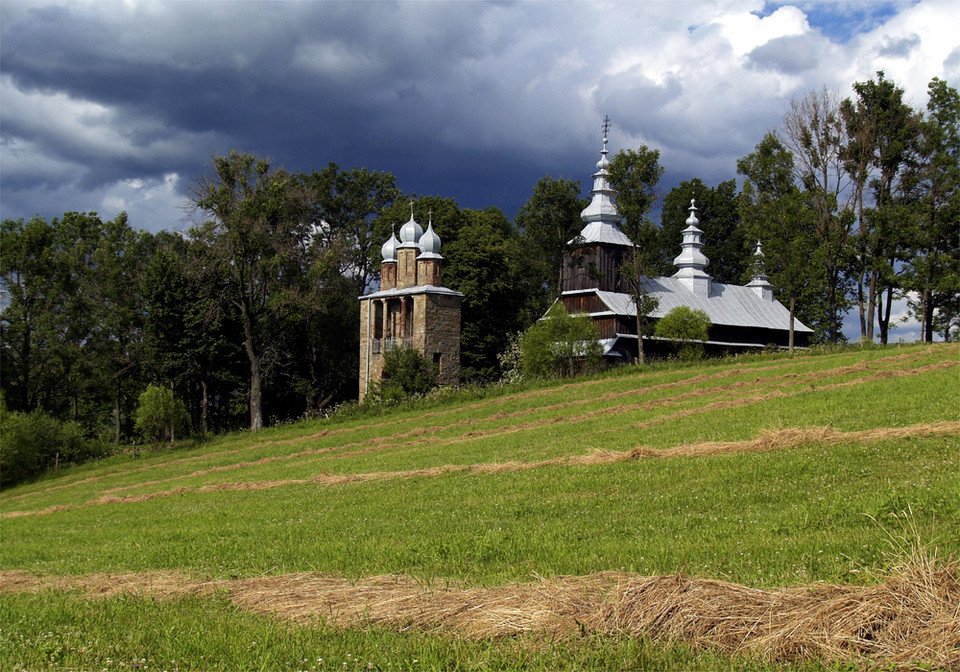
<point>421,289</point>
<point>602,232</point>
<point>729,305</point>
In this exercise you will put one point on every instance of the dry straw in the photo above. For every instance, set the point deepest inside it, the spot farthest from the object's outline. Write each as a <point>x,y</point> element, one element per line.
<point>911,618</point>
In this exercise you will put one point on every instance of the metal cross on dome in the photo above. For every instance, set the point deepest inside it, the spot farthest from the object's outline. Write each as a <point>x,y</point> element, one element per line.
<point>606,124</point>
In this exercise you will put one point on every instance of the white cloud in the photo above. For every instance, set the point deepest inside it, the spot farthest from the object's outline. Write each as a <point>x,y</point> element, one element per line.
<point>911,48</point>
<point>152,204</point>
<point>745,31</point>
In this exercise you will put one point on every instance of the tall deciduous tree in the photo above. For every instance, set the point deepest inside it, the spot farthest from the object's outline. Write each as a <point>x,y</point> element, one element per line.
<point>547,223</point>
<point>483,263</point>
<point>634,174</point>
<point>813,130</point>
<point>773,211</point>
<point>29,325</point>
<point>346,207</point>
<point>883,133</point>
<point>260,237</point>
<point>931,188</point>
<point>71,326</point>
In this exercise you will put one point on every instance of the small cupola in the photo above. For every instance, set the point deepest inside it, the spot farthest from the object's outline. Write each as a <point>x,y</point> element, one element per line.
<point>691,261</point>
<point>759,284</point>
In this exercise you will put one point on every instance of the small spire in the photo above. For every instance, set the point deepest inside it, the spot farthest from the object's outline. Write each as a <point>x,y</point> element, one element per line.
<point>692,219</point>
<point>759,283</point>
<point>759,272</point>
<point>411,208</point>
<point>429,217</point>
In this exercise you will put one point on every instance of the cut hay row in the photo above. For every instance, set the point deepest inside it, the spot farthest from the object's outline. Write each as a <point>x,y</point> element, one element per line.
<point>381,443</point>
<point>770,392</point>
<point>609,396</point>
<point>370,445</point>
<point>564,389</point>
<point>767,441</point>
<point>911,618</point>
<point>420,432</point>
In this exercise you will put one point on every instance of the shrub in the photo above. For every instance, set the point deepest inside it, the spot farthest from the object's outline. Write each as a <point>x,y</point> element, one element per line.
<point>31,443</point>
<point>560,344</point>
<point>158,413</point>
<point>510,361</point>
<point>406,373</point>
<point>688,328</point>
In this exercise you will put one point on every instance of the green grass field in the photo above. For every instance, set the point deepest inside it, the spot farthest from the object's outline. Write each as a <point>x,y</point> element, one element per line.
<point>481,492</point>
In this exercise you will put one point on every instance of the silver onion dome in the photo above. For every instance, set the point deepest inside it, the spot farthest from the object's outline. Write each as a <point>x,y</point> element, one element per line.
<point>410,232</point>
<point>389,249</point>
<point>430,243</point>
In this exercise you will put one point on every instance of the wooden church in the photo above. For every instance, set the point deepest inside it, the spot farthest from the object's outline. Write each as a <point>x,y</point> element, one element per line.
<point>744,317</point>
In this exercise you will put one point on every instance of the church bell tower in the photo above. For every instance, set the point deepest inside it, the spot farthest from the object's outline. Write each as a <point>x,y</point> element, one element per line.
<point>412,309</point>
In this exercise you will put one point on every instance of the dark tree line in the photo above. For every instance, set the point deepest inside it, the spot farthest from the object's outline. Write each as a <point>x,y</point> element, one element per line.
<point>251,316</point>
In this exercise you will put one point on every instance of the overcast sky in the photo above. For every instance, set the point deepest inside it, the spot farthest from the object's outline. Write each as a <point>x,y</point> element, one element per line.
<point>112,106</point>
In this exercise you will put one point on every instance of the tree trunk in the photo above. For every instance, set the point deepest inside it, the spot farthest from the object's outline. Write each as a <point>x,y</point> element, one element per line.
<point>871,303</point>
<point>256,393</point>
<point>641,358</point>
<point>203,410</point>
<point>116,413</point>
<point>173,420</point>
<point>860,307</point>
<point>793,310</point>
<point>885,319</point>
<point>927,316</point>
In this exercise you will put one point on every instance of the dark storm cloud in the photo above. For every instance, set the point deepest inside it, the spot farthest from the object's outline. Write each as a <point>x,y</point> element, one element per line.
<point>791,54</point>
<point>120,105</point>
<point>308,84</point>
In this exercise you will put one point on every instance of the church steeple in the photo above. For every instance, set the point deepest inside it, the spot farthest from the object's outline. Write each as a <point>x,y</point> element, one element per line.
<point>601,217</point>
<point>691,261</point>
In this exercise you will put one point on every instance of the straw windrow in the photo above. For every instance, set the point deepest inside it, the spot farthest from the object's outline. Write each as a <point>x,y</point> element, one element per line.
<point>912,617</point>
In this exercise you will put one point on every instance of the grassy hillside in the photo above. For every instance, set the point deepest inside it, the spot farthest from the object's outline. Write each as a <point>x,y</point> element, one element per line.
<point>392,537</point>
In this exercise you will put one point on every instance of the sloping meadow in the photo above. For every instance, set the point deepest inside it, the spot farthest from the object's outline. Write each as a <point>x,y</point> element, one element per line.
<point>787,493</point>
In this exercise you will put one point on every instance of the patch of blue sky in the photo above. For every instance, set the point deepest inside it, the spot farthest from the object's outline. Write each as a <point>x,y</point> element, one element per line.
<point>842,21</point>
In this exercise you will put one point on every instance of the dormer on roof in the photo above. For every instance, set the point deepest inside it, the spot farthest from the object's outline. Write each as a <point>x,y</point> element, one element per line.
<point>691,261</point>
